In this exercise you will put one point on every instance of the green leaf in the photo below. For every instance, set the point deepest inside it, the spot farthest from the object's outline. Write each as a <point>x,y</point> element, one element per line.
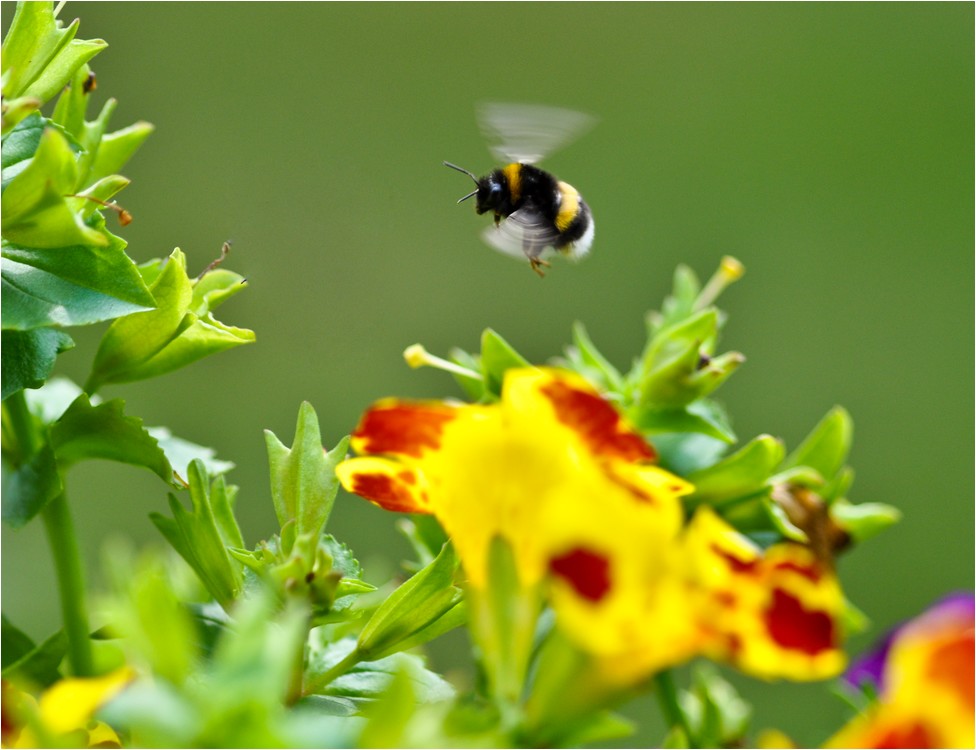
<point>741,474</point>
<point>27,357</point>
<point>20,145</point>
<point>864,520</point>
<point>303,480</point>
<point>180,453</point>
<point>86,431</point>
<point>135,339</point>
<point>369,680</point>
<point>117,148</point>
<point>148,344</point>
<point>718,716</point>
<point>38,665</point>
<point>39,56</point>
<point>417,604</point>
<point>473,387</point>
<point>35,211</point>
<point>826,447</point>
<point>14,643</point>
<point>28,489</point>
<point>681,302</point>
<point>692,419</point>
<point>592,364</point>
<point>69,286</point>
<point>497,356</point>
<point>202,535</point>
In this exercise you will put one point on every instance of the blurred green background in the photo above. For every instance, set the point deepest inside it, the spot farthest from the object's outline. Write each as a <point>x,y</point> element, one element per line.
<point>827,146</point>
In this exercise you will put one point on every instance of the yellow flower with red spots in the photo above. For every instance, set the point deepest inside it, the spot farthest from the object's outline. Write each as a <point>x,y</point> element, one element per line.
<point>559,475</point>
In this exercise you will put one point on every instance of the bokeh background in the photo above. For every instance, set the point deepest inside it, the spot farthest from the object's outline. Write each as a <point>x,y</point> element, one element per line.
<point>827,146</point>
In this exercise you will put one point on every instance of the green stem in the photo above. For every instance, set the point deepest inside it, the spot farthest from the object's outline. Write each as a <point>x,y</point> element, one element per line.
<point>350,660</point>
<point>27,439</point>
<point>667,698</point>
<point>71,583</point>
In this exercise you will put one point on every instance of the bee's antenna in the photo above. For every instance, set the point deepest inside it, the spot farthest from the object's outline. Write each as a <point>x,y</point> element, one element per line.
<point>462,169</point>
<point>462,200</point>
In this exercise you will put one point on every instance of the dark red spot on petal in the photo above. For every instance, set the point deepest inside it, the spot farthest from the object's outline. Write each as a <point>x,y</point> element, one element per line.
<point>586,571</point>
<point>745,567</point>
<point>407,477</point>
<point>796,628</point>
<point>597,422</point>
<point>810,572</point>
<point>403,428</point>
<point>387,493</point>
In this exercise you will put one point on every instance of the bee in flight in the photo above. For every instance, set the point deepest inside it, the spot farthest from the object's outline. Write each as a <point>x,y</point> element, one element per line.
<point>535,213</point>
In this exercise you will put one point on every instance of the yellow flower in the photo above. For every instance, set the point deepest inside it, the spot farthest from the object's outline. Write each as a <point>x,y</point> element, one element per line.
<point>533,469</point>
<point>558,474</point>
<point>63,713</point>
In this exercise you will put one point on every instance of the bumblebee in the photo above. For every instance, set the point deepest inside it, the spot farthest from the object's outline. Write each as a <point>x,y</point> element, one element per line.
<point>535,213</point>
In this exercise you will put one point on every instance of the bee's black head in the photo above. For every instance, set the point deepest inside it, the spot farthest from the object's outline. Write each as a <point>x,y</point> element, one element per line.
<point>490,191</point>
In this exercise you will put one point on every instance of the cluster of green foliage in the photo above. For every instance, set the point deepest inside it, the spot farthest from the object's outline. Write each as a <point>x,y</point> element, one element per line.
<point>284,643</point>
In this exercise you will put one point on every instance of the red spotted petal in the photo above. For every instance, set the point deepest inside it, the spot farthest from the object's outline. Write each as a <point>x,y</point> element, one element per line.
<point>596,422</point>
<point>796,628</point>
<point>384,482</point>
<point>402,428</point>
<point>586,571</point>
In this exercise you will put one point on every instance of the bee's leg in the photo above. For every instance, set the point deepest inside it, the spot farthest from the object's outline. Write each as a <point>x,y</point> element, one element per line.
<point>537,265</point>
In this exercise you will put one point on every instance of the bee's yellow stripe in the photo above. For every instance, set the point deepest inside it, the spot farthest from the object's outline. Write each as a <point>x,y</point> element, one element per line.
<point>568,207</point>
<point>514,174</point>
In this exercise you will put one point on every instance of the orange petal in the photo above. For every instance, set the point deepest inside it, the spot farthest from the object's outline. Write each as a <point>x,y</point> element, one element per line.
<point>402,427</point>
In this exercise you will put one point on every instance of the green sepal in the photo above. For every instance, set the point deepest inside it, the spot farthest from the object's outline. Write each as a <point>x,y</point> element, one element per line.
<point>497,356</point>
<point>864,520</point>
<point>40,55</point>
<point>303,480</point>
<point>739,475</point>
<point>473,387</point>
<point>426,538</point>
<point>825,449</point>
<point>201,535</point>
<point>405,618</point>
<point>27,357</point>
<point>680,304</point>
<point>36,212</point>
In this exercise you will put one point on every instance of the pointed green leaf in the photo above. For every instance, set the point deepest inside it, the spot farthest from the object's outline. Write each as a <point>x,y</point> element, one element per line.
<point>654,421</point>
<point>20,145</point>
<point>303,481</point>
<point>497,356</point>
<point>743,473</point>
<point>85,432</point>
<point>28,489</point>
<point>473,387</point>
<point>864,520</point>
<point>416,604</point>
<point>27,357</point>
<point>201,539</point>
<point>135,339</point>
<point>826,447</point>
<point>40,665</point>
<point>117,148</point>
<point>595,366</point>
<point>14,643</point>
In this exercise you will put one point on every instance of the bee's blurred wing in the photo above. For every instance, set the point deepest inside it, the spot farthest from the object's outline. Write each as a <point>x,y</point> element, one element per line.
<point>528,132</point>
<point>524,234</point>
